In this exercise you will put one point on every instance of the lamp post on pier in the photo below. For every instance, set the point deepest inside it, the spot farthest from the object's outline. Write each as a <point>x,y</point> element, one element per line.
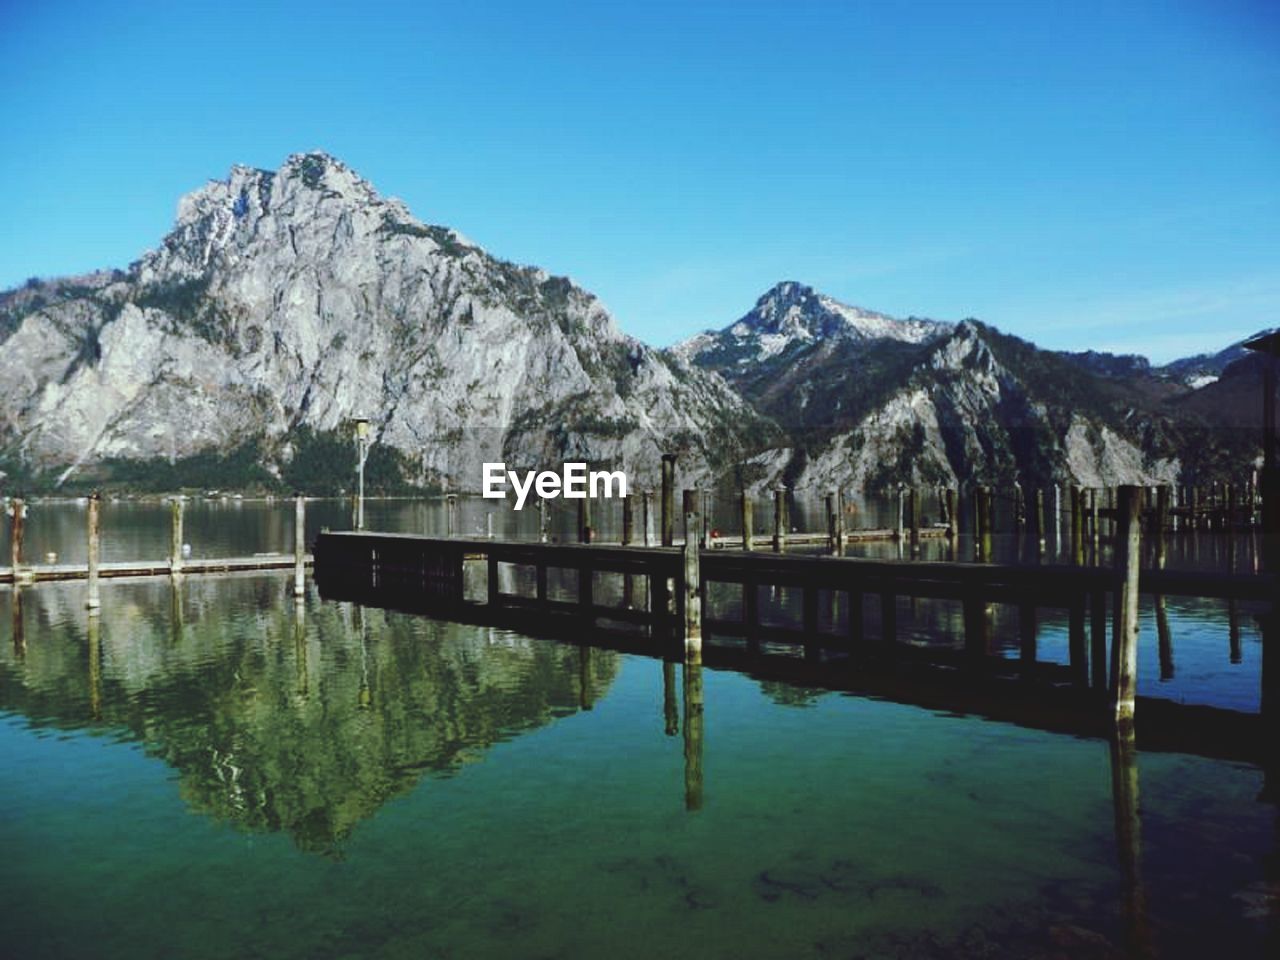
<point>362,454</point>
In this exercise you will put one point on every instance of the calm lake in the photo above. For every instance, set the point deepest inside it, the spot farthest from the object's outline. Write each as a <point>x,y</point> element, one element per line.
<point>210,769</point>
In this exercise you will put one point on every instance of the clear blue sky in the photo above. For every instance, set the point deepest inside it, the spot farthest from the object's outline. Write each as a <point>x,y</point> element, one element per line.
<point>1084,175</point>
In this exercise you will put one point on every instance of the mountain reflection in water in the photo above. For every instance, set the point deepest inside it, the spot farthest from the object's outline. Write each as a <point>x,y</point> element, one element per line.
<point>279,716</point>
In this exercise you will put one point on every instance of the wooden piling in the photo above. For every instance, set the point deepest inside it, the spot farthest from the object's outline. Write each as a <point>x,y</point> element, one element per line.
<point>668,499</point>
<point>299,546</point>
<point>839,522</point>
<point>692,588</point>
<point>95,532</point>
<point>648,518</point>
<point>544,519</point>
<point>1040,523</point>
<point>953,522</point>
<point>1093,521</point>
<point>831,521</point>
<point>748,519</point>
<point>1019,511</point>
<point>1057,519</point>
<point>17,532</point>
<point>779,519</point>
<point>584,519</point>
<point>1077,526</point>
<point>901,512</point>
<point>1124,642</point>
<point>175,546</point>
<point>984,523</point>
<point>451,514</point>
<point>628,522</point>
<point>914,515</point>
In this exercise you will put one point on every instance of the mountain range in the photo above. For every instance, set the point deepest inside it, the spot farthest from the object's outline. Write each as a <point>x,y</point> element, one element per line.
<point>284,303</point>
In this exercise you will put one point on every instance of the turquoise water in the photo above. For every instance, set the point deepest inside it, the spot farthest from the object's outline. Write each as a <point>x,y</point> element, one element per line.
<point>214,771</point>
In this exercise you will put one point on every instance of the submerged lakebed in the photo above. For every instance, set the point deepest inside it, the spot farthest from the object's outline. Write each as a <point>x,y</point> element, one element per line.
<point>213,770</point>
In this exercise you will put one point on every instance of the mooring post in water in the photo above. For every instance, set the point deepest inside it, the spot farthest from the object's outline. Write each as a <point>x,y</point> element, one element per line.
<point>1077,526</point>
<point>95,533</point>
<point>1093,521</point>
<point>953,524</point>
<point>779,518</point>
<point>692,589</point>
<point>450,514</point>
<point>18,516</point>
<point>831,521</point>
<point>628,524</point>
<point>748,519</point>
<point>1057,519</point>
<point>902,509</point>
<point>1019,511</point>
<point>299,545</point>
<point>668,499</point>
<point>1040,522</point>
<point>1124,640</point>
<point>984,523</point>
<point>914,514</point>
<point>647,519</point>
<point>584,520</point>
<point>544,519</point>
<point>839,522</point>
<point>175,546</point>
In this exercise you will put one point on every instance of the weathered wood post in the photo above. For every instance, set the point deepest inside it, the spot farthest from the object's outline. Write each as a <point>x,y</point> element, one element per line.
<point>1041,522</point>
<point>94,601</point>
<point>18,516</point>
<point>544,519</point>
<point>984,523</point>
<point>1163,495</point>
<point>584,519</point>
<point>831,521</point>
<point>175,546</point>
<point>839,522</point>
<point>668,499</point>
<point>953,524</point>
<point>692,590</point>
<point>1093,521</point>
<point>914,514</point>
<point>299,545</point>
<point>1077,526</point>
<point>901,513</point>
<point>451,514</point>
<point>748,519</point>
<point>1124,641</point>
<point>1057,519</point>
<point>1019,511</point>
<point>648,518</point>
<point>628,523</point>
<point>707,509</point>
<point>779,519</point>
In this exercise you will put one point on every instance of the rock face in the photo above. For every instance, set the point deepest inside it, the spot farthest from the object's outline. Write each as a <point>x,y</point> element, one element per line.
<point>871,401</point>
<point>301,298</point>
<point>284,303</point>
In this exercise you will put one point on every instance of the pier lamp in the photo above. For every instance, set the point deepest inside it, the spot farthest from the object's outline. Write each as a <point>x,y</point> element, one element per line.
<point>362,454</point>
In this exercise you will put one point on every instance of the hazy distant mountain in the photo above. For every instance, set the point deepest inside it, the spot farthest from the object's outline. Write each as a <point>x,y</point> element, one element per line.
<point>283,303</point>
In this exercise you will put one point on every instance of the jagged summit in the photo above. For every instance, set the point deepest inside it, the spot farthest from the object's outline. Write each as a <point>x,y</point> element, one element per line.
<point>289,301</point>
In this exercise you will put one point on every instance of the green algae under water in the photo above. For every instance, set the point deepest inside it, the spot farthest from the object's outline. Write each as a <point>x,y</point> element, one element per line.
<point>215,772</point>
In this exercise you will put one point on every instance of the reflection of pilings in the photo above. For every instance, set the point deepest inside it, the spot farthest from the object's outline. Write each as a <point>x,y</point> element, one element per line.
<point>1165,639</point>
<point>670,709</point>
<point>94,629</point>
<point>365,696</point>
<point>19,628</point>
<point>177,617</point>
<point>693,722</point>
<point>585,698</point>
<point>1233,630</point>
<point>692,587</point>
<point>300,647</point>
<point>1128,828</point>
